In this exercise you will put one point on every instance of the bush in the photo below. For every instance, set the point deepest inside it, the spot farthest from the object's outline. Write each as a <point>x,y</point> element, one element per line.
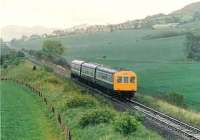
<point>53,79</point>
<point>34,67</point>
<point>20,54</point>
<point>96,116</point>
<point>138,116</point>
<point>48,69</point>
<point>53,47</point>
<point>193,46</point>
<point>69,87</point>
<point>78,100</point>
<point>61,61</point>
<point>176,99</point>
<point>5,66</point>
<point>126,124</point>
<point>16,62</point>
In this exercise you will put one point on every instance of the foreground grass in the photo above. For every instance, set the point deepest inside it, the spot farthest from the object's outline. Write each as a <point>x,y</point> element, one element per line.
<point>72,102</point>
<point>23,116</point>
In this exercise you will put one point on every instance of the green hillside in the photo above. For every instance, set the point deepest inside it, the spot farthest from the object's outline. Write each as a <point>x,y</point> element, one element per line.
<point>160,62</point>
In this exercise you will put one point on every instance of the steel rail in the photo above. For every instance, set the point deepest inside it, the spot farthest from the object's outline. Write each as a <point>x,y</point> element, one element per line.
<point>174,124</point>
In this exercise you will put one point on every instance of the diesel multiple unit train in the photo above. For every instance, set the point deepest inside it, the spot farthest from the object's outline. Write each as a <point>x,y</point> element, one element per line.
<point>121,82</point>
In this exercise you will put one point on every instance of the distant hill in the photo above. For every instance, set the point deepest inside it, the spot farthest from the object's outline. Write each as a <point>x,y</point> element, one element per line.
<point>188,14</point>
<point>187,17</point>
<point>14,31</point>
<point>189,9</point>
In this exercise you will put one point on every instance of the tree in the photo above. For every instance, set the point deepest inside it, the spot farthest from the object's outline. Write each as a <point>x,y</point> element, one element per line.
<point>20,54</point>
<point>53,47</point>
<point>196,16</point>
<point>175,99</point>
<point>193,46</point>
<point>13,41</point>
<point>24,38</point>
<point>61,61</point>
<point>59,32</point>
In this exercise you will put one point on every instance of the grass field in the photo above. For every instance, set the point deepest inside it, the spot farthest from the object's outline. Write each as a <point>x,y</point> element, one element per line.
<point>160,63</point>
<point>22,116</point>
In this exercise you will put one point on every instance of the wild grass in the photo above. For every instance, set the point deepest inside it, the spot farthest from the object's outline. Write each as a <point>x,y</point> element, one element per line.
<point>183,114</point>
<point>23,116</point>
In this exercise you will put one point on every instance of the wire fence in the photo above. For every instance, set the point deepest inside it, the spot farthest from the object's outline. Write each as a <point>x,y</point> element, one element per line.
<point>51,107</point>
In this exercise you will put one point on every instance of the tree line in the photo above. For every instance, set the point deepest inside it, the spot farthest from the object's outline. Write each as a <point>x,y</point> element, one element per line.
<point>193,46</point>
<point>51,51</point>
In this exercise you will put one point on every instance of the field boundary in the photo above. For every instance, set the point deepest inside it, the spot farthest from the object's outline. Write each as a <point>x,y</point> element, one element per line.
<point>50,106</point>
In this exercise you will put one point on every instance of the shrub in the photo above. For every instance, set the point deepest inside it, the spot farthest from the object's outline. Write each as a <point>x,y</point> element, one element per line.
<point>193,46</point>
<point>16,61</point>
<point>48,69</point>
<point>20,54</point>
<point>61,61</point>
<point>5,66</point>
<point>125,124</point>
<point>34,67</point>
<point>138,116</point>
<point>78,100</point>
<point>53,47</point>
<point>176,99</point>
<point>53,79</point>
<point>96,116</point>
<point>69,86</point>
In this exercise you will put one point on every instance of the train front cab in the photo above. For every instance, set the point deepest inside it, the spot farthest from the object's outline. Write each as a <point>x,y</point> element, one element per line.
<point>125,83</point>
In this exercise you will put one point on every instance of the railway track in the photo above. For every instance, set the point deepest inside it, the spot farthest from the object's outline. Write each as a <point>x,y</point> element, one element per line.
<point>184,130</point>
<point>171,123</point>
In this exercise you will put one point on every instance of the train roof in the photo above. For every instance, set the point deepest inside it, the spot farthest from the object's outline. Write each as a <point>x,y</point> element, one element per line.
<point>99,66</point>
<point>90,65</point>
<point>77,62</point>
<point>106,69</point>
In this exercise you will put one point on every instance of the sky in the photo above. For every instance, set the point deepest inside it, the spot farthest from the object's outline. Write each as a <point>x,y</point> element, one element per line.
<point>67,13</point>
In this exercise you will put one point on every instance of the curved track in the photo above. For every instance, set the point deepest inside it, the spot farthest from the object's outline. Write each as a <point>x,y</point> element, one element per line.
<point>184,130</point>
<point>170,122</point>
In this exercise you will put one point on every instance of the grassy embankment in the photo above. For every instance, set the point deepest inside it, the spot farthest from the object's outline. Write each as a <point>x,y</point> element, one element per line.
<point>23,116</point>
<point>158,57</point>
<point>76,106</point>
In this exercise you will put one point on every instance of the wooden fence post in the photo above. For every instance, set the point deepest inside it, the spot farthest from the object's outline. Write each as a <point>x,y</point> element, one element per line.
<point>59,119</point>
<point>52,109</point>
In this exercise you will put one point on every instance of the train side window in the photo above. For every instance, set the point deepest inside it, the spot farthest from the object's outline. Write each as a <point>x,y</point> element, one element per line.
<point>132,80</point>
<point>119,79</point>
<point>126,79</point>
